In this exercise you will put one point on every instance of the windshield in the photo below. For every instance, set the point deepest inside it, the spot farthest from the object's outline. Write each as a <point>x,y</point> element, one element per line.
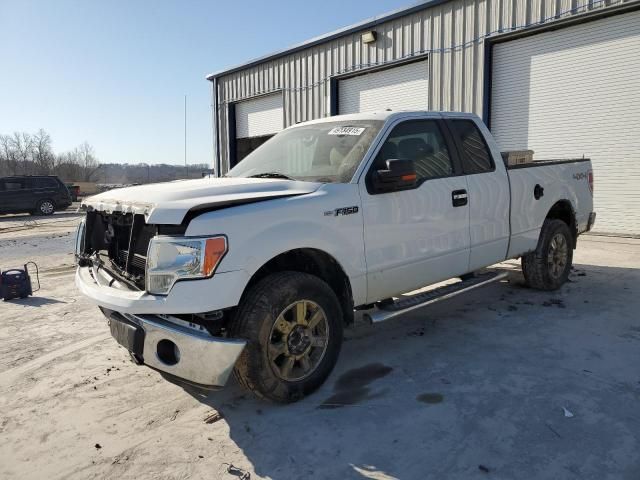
<point>322,152</point>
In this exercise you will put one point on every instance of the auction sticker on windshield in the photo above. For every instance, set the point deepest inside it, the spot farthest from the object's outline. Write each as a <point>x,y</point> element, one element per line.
<point>347,131</point>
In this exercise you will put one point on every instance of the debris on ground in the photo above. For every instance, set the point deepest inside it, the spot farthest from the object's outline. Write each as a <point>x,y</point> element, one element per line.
<point>554,301</point>
<point>430,398</point>
<point>213,417</point>
<point>553,430</point>
<point>98,446</point>
<point>416,333</point>
<point>567,413</point>
<point>175,415</point>
<point>119,460</point>
<point>483,468</point>
<point>237,472</point>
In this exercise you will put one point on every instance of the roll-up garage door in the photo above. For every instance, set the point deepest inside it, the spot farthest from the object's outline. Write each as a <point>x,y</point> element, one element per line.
<point>259,116</point>
<point>399,88</point>
<point>574,92</point>
<point>257,120</point>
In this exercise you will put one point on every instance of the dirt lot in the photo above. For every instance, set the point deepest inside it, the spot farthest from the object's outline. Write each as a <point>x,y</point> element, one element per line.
<point>472,387</point>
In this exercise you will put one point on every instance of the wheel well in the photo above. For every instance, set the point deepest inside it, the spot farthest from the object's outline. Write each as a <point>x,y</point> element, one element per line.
<point>563,210</point>
<point>315,262</point>
<point>42,199</point>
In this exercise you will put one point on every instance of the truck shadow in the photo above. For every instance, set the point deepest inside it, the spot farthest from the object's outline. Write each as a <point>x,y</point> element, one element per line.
<point>473,382</point>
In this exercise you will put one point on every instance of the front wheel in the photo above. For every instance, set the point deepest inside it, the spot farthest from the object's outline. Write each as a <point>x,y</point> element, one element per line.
<point>548,267</point>
<point>293,326</point>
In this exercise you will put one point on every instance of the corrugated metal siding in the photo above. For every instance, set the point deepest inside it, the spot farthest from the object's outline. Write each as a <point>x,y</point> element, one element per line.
<point>583,97</point>
<point>451,34</point>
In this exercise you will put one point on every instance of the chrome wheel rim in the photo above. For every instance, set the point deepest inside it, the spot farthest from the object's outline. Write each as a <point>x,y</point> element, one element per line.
<point>46,207</point>
<point>298,340</point>
<point>558,255</point>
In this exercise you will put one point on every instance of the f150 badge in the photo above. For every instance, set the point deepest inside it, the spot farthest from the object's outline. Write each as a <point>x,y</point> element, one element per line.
<point>341,211</point>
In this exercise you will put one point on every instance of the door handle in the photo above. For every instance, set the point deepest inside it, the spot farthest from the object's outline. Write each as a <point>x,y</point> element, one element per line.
<point>459,198</point>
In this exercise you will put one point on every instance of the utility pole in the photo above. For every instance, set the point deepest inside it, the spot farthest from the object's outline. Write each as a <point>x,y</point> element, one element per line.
<point>185,136</point>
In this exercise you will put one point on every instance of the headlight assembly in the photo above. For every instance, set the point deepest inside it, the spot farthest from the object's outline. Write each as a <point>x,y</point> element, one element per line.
<point>80,234</point>
<point>170,259</point>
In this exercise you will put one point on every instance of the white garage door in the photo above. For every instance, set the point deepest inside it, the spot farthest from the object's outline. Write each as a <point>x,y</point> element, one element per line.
<point>259,116</point>
<point>574,92</point>
<point>400,88</point>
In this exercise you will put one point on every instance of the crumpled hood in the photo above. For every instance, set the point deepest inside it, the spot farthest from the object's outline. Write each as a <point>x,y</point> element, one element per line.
<point>168,203</point>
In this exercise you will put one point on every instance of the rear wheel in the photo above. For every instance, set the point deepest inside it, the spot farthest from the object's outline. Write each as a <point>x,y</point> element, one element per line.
<point>293,326</point>
<point>45,207</point>
<point>548,267</point>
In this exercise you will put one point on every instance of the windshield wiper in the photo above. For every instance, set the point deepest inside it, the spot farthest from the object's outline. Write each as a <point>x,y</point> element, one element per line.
<point>271,175</point>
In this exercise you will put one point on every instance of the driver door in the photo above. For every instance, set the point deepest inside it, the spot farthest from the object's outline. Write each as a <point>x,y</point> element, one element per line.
<point>416,237</point>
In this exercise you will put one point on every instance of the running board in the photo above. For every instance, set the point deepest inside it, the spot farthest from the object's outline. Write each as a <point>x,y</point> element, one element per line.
<point>399,307</point>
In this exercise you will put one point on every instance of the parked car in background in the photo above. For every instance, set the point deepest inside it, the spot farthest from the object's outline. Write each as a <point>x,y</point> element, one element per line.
<point>34,194</point>
<point>74,190</point>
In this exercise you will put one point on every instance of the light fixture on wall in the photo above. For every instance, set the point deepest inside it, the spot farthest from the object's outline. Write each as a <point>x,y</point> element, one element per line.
<point>368,37</point>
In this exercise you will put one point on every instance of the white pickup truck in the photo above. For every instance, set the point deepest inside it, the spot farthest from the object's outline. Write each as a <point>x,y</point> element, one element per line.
<point>257,272</point>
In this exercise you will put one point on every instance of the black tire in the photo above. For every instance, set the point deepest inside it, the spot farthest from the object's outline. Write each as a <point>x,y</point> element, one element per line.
<point>540,271</point>
<point>255,321</point>
<point>45,207</point>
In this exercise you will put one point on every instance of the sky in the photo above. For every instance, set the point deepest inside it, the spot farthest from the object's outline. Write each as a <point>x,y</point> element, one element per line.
<point>114,73</point>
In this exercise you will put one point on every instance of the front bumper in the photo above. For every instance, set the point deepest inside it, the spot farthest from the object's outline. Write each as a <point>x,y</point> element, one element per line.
<point>221,291</point>
<point>184,352</point>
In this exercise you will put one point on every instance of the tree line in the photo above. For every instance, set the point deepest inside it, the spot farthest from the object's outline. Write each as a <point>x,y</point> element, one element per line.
<point>25,153</point>
<point>32,154</point>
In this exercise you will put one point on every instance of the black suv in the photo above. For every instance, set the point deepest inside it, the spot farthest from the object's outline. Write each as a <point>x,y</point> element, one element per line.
<point>35,194</point>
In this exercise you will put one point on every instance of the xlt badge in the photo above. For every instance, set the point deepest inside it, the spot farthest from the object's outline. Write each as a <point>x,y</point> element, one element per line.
<point>341,211</point>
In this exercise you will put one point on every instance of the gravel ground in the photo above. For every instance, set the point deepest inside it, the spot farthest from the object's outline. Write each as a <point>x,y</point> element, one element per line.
<point>472,387</point>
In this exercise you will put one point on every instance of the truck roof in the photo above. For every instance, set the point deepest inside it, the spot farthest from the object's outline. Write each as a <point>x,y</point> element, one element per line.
<point>384,115</point>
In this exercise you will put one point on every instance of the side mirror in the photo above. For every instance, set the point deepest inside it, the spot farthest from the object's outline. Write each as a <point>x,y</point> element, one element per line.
<point>399,175</point>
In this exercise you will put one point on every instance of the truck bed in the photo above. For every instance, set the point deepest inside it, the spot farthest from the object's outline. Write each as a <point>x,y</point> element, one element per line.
<point>543,163</point>
<point>568,179</point>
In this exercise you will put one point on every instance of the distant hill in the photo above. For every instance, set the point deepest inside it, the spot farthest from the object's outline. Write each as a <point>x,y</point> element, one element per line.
<point>119,173</point>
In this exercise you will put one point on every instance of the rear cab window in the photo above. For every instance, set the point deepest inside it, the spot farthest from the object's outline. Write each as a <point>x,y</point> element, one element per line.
<point>476,156</point>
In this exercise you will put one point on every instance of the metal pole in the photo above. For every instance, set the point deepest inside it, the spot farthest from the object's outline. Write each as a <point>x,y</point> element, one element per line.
<point>185,136</point>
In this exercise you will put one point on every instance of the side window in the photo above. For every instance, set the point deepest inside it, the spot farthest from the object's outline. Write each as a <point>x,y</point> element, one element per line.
<point>476,157</point>
<point>422,142</point>
<point>44,182</point>
<point>11,184</point>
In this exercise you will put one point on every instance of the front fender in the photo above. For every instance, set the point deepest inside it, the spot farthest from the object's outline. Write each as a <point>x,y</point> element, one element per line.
<point>259,232</point>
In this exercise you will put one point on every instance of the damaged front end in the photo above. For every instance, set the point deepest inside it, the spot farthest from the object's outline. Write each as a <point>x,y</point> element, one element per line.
<point>119,243</point>
<point>112,252</point>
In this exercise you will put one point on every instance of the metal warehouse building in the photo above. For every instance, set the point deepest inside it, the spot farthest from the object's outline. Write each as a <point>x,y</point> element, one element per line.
<point>560,77</point>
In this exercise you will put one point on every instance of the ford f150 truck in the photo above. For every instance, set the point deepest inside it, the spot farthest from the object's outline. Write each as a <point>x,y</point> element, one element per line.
<point>259,271</point>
